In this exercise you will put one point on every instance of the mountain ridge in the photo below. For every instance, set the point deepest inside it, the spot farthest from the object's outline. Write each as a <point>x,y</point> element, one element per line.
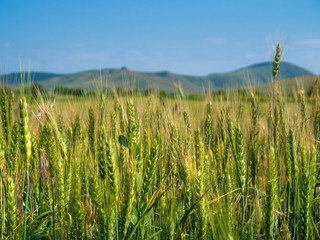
<point>259,73</point>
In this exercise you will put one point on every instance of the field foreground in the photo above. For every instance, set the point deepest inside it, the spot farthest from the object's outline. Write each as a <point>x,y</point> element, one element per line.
<point>127,167</point>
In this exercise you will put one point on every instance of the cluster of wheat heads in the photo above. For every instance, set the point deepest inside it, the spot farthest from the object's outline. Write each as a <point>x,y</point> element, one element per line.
<point>152,168</point>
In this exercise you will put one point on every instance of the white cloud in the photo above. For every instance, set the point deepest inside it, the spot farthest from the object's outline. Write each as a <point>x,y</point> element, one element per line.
<point>215,40</point>
<point>137,55</point>
<point>78,45</point>
<point>134,52</point>
<point>251,56</point>
<point>310,42</point>
<point>85,56</point>
<point>6,45</point>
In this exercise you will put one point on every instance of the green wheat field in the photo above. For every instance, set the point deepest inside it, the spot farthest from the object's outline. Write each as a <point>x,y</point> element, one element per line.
<point>126,166</point>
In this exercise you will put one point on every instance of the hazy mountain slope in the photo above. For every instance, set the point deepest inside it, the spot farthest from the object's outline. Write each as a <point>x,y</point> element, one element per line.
<point>128,79</point>
<point>94,79</point>
<point>257,74</point>
<point>15,78</point>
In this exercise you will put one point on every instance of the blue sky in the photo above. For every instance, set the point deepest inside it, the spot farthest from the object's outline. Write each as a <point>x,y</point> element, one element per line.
<point>190,37</point>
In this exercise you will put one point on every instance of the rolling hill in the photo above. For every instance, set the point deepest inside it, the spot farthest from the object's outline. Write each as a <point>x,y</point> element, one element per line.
<point>163,80</point>
<point>289,86</point>
<point>257,74</point>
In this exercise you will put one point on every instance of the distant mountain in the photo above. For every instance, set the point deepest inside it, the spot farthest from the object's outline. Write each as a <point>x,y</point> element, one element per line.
<point>94,79</point>
<point>257,74</point>
<point>15,78</point>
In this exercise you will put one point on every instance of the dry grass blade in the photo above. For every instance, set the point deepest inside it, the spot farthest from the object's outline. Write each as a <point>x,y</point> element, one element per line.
<point>222,196</point>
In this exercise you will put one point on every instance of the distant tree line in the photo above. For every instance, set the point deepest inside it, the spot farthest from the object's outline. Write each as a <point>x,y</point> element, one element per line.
<point>36,90</point>
<point>59,90</point>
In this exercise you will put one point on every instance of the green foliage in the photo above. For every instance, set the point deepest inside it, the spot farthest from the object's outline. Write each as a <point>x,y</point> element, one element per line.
<point>68,91</point>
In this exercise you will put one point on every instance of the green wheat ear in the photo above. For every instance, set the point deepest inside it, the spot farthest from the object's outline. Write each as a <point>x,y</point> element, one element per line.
<point>25,133</point>
<point>4,114</point>
<point>304,211</point>
<point>11,207</point>
<point>276,62</point>
<point>186,119</point>
<point>92,132</point>
<point>102,151</point>
<point>270,196</point>
<point>132,127</point>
